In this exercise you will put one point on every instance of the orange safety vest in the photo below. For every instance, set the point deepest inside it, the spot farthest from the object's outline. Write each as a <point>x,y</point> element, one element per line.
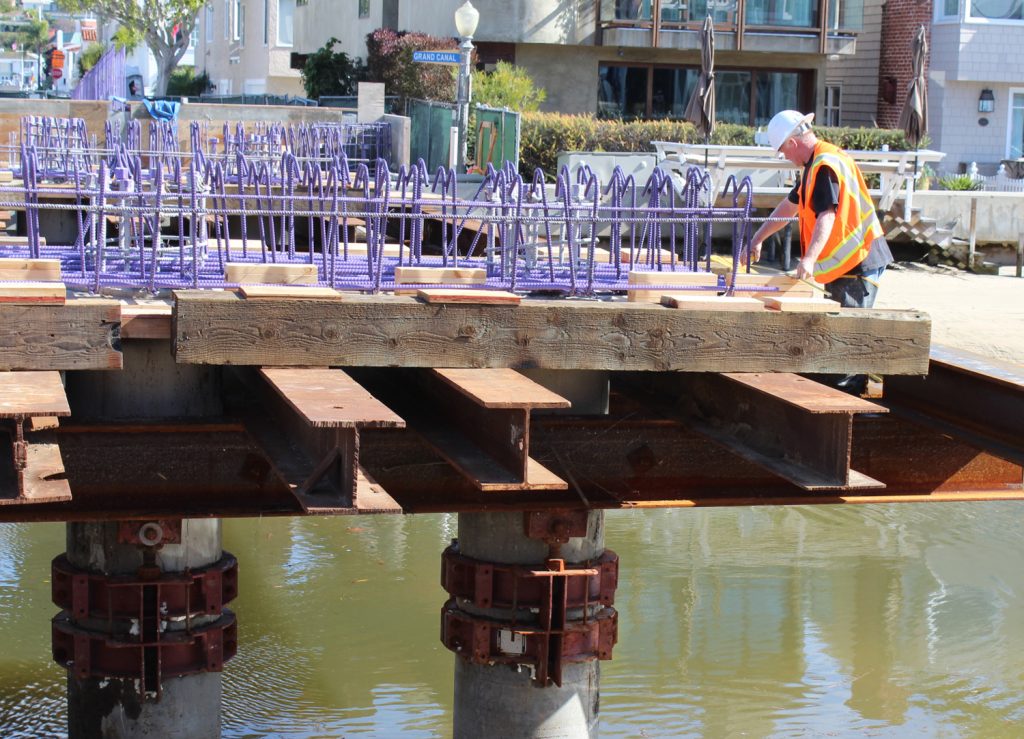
<point>856,224</point>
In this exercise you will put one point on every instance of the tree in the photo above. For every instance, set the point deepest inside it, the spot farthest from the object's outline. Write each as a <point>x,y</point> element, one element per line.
<point>327,72</point>
<point>507,86</point>
<point>389,60</point>
<point>89,57</point>
<point>165,25</point>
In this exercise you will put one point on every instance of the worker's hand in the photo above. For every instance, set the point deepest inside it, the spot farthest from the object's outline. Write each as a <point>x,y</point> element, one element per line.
<point>805,269</point>
<point>755,253</point>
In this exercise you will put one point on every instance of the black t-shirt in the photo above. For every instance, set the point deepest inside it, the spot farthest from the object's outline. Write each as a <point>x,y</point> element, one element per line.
<point>825,197</point>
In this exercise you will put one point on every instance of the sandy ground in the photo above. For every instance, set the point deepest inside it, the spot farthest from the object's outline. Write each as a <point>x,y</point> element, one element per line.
<point>978,313</point>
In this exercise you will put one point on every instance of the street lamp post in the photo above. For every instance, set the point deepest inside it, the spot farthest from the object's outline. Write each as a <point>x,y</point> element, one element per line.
<point>466,18</point>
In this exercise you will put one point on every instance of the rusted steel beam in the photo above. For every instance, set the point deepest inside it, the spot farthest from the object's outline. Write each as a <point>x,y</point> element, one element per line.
<point>384,330</point>
<point>632,458</point>
<point>82,334</point>
<point>36,472</point>
<point>323,411</point>
<point>791,426</point>
<point>977,399</point>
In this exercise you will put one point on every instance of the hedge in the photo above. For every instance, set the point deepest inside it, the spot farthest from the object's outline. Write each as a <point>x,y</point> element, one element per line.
<point>544,135</point>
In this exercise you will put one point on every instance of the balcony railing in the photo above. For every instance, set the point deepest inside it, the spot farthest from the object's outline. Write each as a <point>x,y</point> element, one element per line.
<point>821,18</point>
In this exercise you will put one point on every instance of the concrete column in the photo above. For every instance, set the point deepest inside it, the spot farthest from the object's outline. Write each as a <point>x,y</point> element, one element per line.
<point>189,707</point>
<point>501,700</point>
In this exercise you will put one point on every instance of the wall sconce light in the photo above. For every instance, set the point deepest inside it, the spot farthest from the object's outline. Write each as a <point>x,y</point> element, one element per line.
<point>987,102</point>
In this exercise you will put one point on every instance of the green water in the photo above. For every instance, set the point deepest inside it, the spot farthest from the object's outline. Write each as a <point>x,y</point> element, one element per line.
<point>884,621</point>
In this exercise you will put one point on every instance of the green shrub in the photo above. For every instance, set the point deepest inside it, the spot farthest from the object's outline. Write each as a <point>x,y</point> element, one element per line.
<point>507,86</point>
<point>959,182</point>
<point>328,72</point>
<point>89,57</point>
<point>184,82</point>
<point>544,135</point>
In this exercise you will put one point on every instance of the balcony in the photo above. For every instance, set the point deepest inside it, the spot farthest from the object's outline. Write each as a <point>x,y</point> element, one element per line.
<point>789,26</point>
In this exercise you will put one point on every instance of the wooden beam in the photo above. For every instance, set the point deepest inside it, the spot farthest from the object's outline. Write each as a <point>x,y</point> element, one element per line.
<point>32,270</point>
<point>271,274</point>
<point>82,334</point>
<point>376,331</point>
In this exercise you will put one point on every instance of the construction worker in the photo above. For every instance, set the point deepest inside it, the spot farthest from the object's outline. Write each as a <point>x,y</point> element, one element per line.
<point>841,240</point>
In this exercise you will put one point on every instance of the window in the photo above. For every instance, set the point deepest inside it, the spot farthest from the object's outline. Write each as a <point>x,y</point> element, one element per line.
<point>832,114</point>
<point>1015,144</point>
<point>227,19</point>
<point>364,8</point>
<point>208,22</point>
<point>947,9</point>
<point>241,25</point>
<point>744,96</point>
<point>266,22</point>
<point>236,26</point>
<point>285,14</point>
<point>996,10</point>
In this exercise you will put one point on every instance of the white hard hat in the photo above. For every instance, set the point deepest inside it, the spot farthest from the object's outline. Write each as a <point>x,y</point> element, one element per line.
<point>786,124</point>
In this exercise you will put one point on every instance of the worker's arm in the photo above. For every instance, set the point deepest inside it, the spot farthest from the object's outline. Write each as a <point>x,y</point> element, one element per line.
<point>783,210</point>
<point>819,237</point>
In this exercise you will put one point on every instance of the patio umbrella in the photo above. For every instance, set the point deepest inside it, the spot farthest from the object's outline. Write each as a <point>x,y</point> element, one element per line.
<point>700,110</point>
<point>914,116</point>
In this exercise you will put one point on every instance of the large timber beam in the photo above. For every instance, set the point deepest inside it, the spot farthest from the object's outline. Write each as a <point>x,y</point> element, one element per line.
<point>381,331</point>
<point>82,334</point>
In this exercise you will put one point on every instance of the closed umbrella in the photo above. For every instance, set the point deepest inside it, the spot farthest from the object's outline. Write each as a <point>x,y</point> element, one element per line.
<point>914,116</point>
<point>700,110</point>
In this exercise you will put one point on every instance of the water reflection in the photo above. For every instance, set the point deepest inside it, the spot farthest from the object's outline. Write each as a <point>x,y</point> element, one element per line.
<point>882,620</point>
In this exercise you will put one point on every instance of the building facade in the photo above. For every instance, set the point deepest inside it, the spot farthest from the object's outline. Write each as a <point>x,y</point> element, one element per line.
<point>976,82</point>
<point>246,46</point>
<point>615,58</point>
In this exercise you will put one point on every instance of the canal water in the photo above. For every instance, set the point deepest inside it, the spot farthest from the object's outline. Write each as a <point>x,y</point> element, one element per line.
<point>888,621</point>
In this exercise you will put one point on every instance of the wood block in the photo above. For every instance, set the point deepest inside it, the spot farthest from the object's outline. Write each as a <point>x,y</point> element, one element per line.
<point>674,279</point>
<point>146,321</point>
<point>6,240</point>
<point>691,301</point>
<point>783,284</point>
<point>35,270</point>
<point>800,304</point>
<point>273,274</point>
<point>438,276</point>
<point>34,293</point>
<point>722,265</point>
<point>481,297</point>
<point>287,291</point>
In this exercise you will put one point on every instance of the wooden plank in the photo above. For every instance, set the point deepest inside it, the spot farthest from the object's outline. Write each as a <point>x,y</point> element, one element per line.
<point>33,293</point>
<point>329,398</point>
<point>8,240</point>
<point>800,304</point>
<point>271,274</point>
<point>691,301</point>
<point>501,388</point>
<point>147,320</point>
<point>384,330</point>
<point>440,276</point>
<point>259,292</point>
<point>82,334</point>
<point>782,285</point>
<point>695,280</point>
<point>24,394</point>
<point>478,297</point>
<point>32,270</point>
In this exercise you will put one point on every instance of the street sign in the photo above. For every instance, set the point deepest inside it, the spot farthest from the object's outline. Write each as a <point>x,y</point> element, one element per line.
<point>57,59</point>
<point>437,57</point>
<point>56,73</point>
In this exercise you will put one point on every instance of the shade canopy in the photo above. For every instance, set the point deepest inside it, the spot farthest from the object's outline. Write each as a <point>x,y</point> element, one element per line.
<point>914,116</point>
<point>700,110</point>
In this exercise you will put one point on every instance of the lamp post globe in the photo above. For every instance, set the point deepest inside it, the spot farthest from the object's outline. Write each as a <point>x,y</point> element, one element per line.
<point>466,19</point>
